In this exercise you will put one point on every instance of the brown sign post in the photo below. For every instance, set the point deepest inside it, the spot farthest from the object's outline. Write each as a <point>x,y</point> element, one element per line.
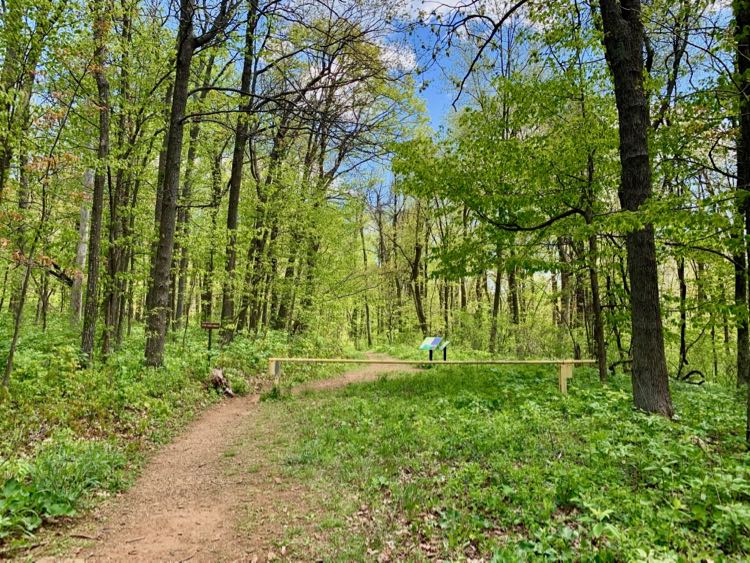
<point>210,327</point>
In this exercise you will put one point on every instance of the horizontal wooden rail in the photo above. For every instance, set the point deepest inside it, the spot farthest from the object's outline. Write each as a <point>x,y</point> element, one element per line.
<point>565,366</point>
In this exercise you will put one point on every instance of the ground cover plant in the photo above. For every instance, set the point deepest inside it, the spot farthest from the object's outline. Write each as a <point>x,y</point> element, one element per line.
<point>494,463</point>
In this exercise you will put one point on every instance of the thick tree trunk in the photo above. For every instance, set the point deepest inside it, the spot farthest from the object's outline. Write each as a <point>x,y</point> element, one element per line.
<point>742,36</point>
<point>742,254</point>
<point>115,261</point>
<point>101,25</point>
<point>161,171</point>
<point>624,48</point>
<point>162,261</point>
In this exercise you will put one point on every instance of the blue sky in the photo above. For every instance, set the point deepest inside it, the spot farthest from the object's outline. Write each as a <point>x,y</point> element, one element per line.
<point>438,98</point>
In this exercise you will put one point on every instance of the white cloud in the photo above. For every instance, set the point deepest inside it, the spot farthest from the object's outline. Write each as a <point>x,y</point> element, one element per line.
<point>398,57</point>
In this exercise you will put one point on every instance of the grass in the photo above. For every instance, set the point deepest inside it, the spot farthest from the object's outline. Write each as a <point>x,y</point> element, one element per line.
<point>495,463</point>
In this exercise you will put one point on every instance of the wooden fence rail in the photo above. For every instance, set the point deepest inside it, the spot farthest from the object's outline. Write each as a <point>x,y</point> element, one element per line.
<point>565,367</point>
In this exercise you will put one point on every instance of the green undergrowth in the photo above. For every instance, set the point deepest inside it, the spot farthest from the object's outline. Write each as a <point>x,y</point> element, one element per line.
<point>69,435</point>
<point>494,463</point>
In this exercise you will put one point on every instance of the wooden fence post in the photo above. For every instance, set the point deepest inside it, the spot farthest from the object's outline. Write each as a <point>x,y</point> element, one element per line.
<point>566,372</point>
<point>274,370</point>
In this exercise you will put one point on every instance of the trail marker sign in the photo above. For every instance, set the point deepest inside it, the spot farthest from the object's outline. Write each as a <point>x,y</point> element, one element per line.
<point>210,327</point>
<point>432,343</point>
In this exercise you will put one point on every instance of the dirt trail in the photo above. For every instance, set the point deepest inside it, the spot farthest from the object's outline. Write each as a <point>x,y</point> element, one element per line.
<point>190,502</point>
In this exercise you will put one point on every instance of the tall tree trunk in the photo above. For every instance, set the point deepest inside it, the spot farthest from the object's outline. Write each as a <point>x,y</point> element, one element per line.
<point>101,27</point>
<point>742,36</point>
<point>742,254</point>
<point>183,216</point>
<point>624,48</point>
<point>158,202</point>
<point>241,135</point>
<point>156,329</point>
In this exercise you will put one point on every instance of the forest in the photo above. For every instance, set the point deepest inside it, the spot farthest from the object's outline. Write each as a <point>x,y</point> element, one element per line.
<point>529,180</point>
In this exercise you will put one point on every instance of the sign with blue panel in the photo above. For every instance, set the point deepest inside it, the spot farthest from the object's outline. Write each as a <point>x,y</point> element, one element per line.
<point>430,343</point>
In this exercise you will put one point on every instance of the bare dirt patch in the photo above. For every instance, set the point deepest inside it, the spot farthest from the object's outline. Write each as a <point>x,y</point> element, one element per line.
<point>215,493</point>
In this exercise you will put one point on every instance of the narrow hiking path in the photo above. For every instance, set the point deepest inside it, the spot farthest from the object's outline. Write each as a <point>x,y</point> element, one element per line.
<point>211,495</point>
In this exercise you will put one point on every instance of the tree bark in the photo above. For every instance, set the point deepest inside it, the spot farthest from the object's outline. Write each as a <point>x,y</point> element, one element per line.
<point>161,171</point>
<point>162,261</point>
<point>241,135</point>
<point>624,47</point>
<point>741,10</point>
<point>742,221</point>
<point>101,25</point>
<point>183,216</point>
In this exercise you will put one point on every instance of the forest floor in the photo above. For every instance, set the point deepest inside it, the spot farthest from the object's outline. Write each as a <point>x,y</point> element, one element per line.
<point>453,463</point>
<point>214,494</point>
